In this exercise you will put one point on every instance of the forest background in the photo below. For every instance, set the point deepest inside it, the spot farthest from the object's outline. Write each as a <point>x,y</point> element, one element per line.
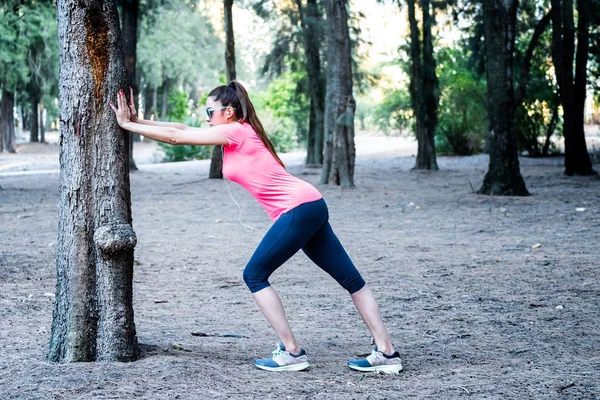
<point>176,68</point>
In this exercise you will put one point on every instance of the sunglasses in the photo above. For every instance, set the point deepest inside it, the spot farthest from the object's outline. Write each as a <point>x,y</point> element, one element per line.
<point>211,110</point>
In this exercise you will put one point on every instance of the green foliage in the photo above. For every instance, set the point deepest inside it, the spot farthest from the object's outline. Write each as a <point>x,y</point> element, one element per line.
<point>394,112</point>
<point>461,111</point>
<point>284,110</point>
<point>280,132</point>
<point>179,111</point>
<point>178,44</point>
<point>286,100</point>
<point>535,123</point>
<point>185,152</point>
<point>13,46</point>
<point>538,118</point>
<point>178,106</point>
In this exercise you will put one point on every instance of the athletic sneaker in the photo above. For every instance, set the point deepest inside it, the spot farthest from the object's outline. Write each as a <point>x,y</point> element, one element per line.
<point>378,362</point>
<point>283,360</point>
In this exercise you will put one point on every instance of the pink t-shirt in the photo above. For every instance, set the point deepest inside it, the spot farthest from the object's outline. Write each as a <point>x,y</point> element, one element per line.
<point>248,162</point>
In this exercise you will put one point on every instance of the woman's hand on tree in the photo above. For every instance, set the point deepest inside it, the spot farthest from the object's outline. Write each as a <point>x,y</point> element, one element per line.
<point>122,111</point>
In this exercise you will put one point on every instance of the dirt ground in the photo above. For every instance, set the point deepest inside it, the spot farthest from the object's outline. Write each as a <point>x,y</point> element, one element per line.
<point>484,297</point>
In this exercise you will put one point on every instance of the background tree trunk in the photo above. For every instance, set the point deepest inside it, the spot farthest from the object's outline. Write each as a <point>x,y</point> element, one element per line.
<point>42,126</point>
<point>165,99</point>
<point>130,21</point>
<point>93,313</point>
<point>229,40</point>
<point>339,155</point>
<point>572,90</point>
<point>155,102</point>
<point>7,122</point>
<point>503,176</point>
<point>216,160</point>
<point>26,119</point>
<point>34,117</point>
<point>20,116</point>
<point>426,158</point>
<point>1,126</point>
<point>312,38</point>
<point>423,82</point>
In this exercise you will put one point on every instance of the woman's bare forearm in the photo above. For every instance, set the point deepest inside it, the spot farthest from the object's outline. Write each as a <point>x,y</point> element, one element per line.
<point>170,135</point>
<point>165,134</point>
<point>175,125</point>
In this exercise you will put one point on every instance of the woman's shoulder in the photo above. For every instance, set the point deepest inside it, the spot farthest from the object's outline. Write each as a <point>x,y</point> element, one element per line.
<point>235,132</point>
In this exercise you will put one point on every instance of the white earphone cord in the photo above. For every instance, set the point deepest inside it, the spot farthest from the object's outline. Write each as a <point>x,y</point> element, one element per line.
<point>247,228</point>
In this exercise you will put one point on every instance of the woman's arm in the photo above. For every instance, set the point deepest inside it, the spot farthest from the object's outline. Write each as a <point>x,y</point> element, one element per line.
<point>170,135</point>
<point>176,125</point>
<point>165,134</point>
<point>134,117</point>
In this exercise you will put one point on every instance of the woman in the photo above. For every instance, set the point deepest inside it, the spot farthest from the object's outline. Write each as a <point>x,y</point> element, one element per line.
<point>297,208</point>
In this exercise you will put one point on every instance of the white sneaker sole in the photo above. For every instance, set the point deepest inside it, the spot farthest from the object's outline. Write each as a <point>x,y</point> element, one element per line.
<point>384,369</point>
<point>293,367</point>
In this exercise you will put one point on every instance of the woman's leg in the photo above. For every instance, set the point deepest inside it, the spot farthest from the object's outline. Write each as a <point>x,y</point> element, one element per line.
<point>289,233</point>
<point>369,311</point>
<point>325,250</point>
<point>270,304</point>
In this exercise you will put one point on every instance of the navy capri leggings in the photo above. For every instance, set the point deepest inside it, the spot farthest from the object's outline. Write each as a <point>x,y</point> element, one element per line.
<point>304,227</point>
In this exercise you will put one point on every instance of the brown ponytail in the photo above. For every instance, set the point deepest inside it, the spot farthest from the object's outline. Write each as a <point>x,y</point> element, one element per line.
<point>236,96</point>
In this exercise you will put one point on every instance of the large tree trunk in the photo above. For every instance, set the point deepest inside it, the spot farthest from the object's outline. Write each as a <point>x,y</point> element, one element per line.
<point>216,160</point>
<point>311,31</point>
<point>340,153</point>
<point>130,20</point>
<point>7,122</point>
<point>572,90</point>
<point>503,176</point>
<point>93,313</point>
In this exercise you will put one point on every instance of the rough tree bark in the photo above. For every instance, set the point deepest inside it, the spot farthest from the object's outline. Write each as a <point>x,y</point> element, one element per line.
<point>7,122</point>
<point>312,39</point>
<point>93,313</point>
<point>130,21</point>
<point>572,89</point>
<point>216,160</point>
<point>423,82</point>
<point>339,153</point>
<point>503,176</point>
